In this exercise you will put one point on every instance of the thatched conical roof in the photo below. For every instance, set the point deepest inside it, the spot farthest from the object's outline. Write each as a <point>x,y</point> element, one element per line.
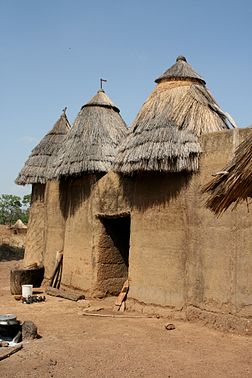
<point>234,182</point>
<point>181,95</point>
<point>92,143</point>
<point>180,70</point>
<point>179,106</point>
<point>38,166</point>
<point>101,99</point>
<point>19,225</point>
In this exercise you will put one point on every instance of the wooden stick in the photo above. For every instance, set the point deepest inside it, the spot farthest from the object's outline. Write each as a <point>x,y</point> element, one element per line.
<point>59,258</point>
<point>64,294</point>
<point>9,353</point>
<point>119,316</point>
<point>122,296</point>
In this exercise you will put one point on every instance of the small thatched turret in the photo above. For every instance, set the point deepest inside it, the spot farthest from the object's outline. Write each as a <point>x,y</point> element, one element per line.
<point>37,168</point>
<point>92,143</point>
<point>164,134</point>
<point>181,70</point>
<point>234,182</point>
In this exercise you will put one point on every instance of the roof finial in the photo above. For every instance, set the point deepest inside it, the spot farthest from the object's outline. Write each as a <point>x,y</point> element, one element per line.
<point>181,58</point>
<point>102,81</point>
<point>64,110</point>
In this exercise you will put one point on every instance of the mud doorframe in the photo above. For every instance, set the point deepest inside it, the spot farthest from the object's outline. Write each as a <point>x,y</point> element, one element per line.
<point>113,253</point>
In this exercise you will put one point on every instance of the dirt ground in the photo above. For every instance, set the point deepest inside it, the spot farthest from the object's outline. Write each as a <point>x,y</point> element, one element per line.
<point>73,345</point>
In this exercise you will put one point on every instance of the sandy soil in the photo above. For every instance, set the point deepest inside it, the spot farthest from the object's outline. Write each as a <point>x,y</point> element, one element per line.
<point>73,345</point>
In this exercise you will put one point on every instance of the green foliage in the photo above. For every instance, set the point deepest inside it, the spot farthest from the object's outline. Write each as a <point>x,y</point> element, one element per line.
<point>13,208</point>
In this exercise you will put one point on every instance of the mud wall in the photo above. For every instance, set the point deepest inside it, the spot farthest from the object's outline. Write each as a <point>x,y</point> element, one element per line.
<point>54,227</point>
<point>180,253</point>
<point>35,237</point>
<point>78,260</point>
<point>11,245</point>
<point>110,200</point>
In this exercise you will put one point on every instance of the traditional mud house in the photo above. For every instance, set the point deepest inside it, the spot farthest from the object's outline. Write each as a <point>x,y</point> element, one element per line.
<point>36,172</point>
<point>147,220</point>
<point>180,255</point>
<point>87,155</point>
<point>19,227</point>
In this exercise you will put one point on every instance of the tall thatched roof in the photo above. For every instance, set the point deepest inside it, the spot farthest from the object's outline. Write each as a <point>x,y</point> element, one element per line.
<point>234,182</point>
<point>38,165</point>
<point>92,143</point>
<point>179,106</point>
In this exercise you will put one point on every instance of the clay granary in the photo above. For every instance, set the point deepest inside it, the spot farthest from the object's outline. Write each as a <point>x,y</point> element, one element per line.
<point>127,203</point>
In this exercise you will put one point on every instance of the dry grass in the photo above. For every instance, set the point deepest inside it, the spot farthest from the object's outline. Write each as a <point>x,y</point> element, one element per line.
<point>36,168</point>
<point>163,135</point>
<point>158,147</point>
<point>236,185</point>
<point>181,70</point>
<point>92,143</point>
<point>190,106</point>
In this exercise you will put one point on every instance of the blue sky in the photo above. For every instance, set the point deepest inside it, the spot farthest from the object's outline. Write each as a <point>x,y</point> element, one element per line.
<point>53,53</point>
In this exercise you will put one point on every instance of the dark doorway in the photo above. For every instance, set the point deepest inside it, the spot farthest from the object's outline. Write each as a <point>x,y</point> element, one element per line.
<point>113,261</point>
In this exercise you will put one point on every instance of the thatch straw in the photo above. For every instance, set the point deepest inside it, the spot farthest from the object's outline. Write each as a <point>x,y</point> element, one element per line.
<point>181,100</point>
<point>158,146</point>
<point>38,165</point>
<point>19,225</point>
<point>234,183</point>
<point>190,106</point>
<point>180,70</point>
<point>92,143</point>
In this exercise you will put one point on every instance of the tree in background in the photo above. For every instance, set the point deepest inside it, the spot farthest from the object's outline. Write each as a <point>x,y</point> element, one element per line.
<point>26,203</point>
<point>13,208</point>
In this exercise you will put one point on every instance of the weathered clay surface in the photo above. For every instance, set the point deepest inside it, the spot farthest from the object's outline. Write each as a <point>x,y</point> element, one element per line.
<point>180,254</point>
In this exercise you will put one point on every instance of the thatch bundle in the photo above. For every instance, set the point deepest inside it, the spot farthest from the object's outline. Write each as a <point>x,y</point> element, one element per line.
<point>92,143</point>
<point>234,183</point>
<point>161,136</point>
<point>179,71</point>
<point>158,146</point>
<point>37,168</point>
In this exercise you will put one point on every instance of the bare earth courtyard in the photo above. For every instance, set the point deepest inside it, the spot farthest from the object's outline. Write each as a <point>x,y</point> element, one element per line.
<point>73,345</point>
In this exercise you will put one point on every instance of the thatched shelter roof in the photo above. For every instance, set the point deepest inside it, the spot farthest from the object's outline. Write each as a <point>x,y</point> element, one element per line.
<point>234,182</point>
<point>179,106</point>
<point>19,225</point>
<point>38,165</point>
<point>92,143</point>
<point>158,146</point>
